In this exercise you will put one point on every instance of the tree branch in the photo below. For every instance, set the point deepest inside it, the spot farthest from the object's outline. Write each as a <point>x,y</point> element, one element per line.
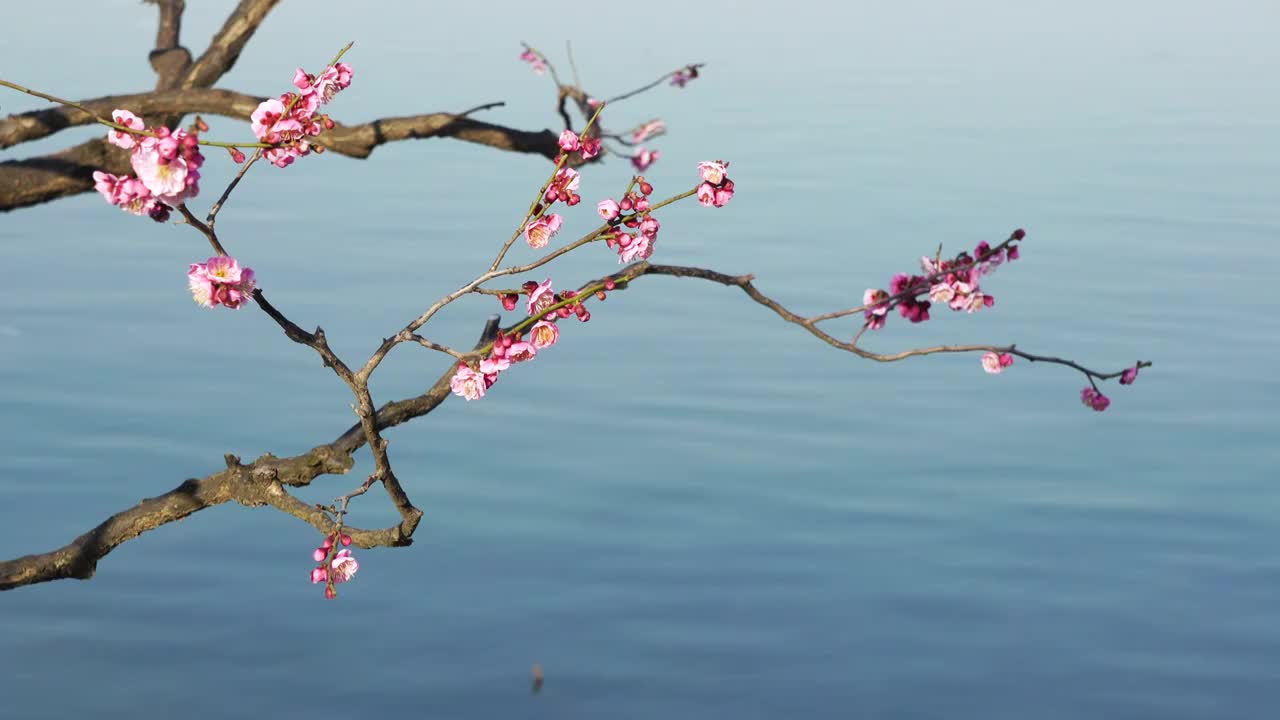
<point>225,47</point>
<point>258,483</point>
<point>36,180</point>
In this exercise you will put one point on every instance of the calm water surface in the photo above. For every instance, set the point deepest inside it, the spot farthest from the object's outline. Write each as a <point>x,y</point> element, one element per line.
<point>688,508</point>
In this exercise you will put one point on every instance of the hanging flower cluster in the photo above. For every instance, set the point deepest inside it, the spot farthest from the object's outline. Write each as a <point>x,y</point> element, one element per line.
<point>289,122</point>
<point>167,164</point>
<point>642,159</point>
<point>333,566</point>
<point>995,363</point>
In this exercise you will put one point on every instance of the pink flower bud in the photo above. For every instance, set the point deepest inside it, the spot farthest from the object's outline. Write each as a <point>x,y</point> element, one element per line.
<point>345,539</point>
<point>319,575</point>
<point>1019,234</point>
<point>319,554</point>
<point>585,315</point>
<point>646,188</point>
<point>330,593</point>
<point>509,301</point>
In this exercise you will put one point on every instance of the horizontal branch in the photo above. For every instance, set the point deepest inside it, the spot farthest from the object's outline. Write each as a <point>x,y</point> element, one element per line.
<point>41,179</point>
<point>262,482</point>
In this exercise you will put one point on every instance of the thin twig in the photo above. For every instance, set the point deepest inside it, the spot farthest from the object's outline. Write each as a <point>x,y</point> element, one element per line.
<point>213,211</point>
<point>655,83</point>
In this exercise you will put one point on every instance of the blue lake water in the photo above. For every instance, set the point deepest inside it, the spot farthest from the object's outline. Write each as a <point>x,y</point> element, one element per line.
<point>688,508</point>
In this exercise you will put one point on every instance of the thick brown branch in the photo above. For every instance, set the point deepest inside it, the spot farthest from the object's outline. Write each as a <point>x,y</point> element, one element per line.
<point>225,47</point>
<point>37,180</point>
<point>169,59</point>
<point>258,483</point>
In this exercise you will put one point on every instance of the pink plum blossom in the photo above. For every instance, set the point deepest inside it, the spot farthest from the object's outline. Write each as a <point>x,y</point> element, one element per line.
<point>521,351</point>
<point>494,365</point>
<point>468,383</point>
<point>319,575</point>
<point>713,171</point>
<point>569,141</point>
<point>544,334</point>
<point>534,61</point>
<point>1094,399</point>
<point>563,187</point>
<point>643,159</point>
<point>706,194</point>
<point>221,281</point>
<point>608,209</point>
<point>1128,376</point>
<point>120,138</point>
<point>590,147</point>
<point>996,363</point>
<point>541,297</point>
<point>650,129</point>
<point>649,227</point>
<point>539,232</point>
<point>641,248</point>
<point>343,566</point>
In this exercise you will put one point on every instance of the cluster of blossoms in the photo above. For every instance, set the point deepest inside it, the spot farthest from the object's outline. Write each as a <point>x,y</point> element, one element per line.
<point>221,281</point>
<point>588,146</point>
<point>653,128</point>
<point>333,568</point>
<point>1091,397</point>
<point>716,188</point>
<point>563,187</point>
<point>996,363</point>
<point>643,158</point>
<point>954,282</point>
<point>636,245</point>
<point>288,122</point>
<point>508,349</point>
<point>534,61</point>
<point>682,77</point>
<point>167,164</point>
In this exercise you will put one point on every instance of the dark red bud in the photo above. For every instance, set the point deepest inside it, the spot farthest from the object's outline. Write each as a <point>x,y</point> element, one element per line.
<point>564,312</point>
<point>600,295</point>
<point>1019,234</point>
<point>329,124</point>
<point>609,284</point>
<point>626,204</point>
<point>201,125</point>
<point>585,316</point>
<point>509,301</point>
<point>529,286</point>
<point>646,188</point>
<point>573,200</point>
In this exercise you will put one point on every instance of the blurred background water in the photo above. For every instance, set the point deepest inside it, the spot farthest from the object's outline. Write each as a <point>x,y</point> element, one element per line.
<point>687,508</point>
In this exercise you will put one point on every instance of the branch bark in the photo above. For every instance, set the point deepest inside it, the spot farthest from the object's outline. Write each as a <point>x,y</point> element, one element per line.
<point>37,180</point>
<point>259,483</point>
